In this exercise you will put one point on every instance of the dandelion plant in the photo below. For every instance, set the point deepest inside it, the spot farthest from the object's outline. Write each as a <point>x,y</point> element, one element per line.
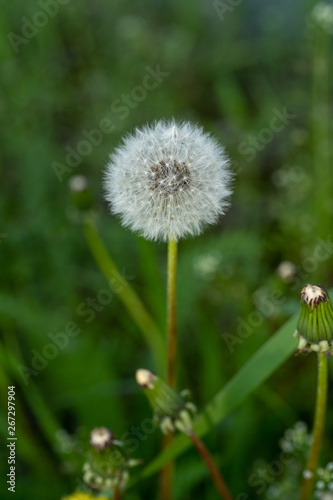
<point>168,181</point>
<point>315,333</point>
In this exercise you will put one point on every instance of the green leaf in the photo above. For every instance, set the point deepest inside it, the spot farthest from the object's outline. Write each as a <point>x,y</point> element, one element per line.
<point>257,369</point>
<point>126,293</point>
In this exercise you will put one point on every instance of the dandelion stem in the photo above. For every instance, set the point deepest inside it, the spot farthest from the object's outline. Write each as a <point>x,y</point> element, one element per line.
<point>318,427</point>
<point>125,292</point>
<point>217,477</point>
<point>171,318</point>
<point>116,493</point>
<point>166,479</point>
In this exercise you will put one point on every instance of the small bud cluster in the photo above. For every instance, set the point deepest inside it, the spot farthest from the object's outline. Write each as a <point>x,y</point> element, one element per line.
<point>281,476</point>
<point>171,410</point>
<point>296,440</point>
<point>101,476</point>
<point>315,325</point>
<point>324,484</point>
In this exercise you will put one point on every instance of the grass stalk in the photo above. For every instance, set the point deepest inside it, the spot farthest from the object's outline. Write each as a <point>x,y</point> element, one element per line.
<point>126,293</point>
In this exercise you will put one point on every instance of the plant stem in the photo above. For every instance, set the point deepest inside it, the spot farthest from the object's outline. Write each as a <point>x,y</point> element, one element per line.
<point>171,315</point>
<point>116,493</point>
<point>167,473</point>
<point>318,427</point>
<point>125,292</point>
<point>213,470</point>
<point>166,479</point>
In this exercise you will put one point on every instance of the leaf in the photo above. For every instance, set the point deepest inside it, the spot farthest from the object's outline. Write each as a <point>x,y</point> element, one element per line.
<point>126,293</point>
<point>257,369</point>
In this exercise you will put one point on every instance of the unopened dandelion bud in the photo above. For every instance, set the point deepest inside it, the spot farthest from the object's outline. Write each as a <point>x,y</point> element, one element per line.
<point>171,410</point>
<point>81,194</point>
<point>107,463</point>
<point>315,323</point>
<point>101,438</point>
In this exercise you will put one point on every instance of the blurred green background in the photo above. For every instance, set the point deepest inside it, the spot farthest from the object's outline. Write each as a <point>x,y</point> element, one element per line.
<point>233,67</point>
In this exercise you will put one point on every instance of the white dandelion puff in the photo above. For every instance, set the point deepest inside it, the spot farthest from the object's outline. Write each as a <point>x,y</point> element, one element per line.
<point>168,181</point>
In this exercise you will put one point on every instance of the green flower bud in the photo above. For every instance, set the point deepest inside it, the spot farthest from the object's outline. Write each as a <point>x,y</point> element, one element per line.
<point>315,323</point>
<point>108,462</point>
<point>171,410</point>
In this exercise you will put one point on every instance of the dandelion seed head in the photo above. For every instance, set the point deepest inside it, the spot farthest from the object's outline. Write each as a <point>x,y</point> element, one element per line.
<point>168,181</point>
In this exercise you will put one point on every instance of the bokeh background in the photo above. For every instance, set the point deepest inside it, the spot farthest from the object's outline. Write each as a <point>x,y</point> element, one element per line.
<point>233,67</point>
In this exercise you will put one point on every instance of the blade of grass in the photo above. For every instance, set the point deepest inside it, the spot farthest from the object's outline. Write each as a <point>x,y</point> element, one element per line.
<point>126,293</point>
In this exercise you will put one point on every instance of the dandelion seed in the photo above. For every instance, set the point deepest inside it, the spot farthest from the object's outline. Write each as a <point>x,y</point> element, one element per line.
<point>190,170</point>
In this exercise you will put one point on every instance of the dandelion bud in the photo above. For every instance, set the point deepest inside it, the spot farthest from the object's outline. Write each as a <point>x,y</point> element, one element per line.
<point>171,410</point>
<point>168,181</point>
<point>315,323</point>
<point>101,438</point>
<point>108,462</point>
<point>80,192</point>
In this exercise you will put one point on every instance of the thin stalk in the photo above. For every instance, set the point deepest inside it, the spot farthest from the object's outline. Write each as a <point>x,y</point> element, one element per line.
<point>116,493</point>
<point>166,478</point>
<point>167,474</point>
<point>216,475</point>
<point>171,312</point>
<point>318,428</point>
<point>125,292</point>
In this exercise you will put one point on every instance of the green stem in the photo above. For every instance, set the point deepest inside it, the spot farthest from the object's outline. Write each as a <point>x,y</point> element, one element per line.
<point>166,479</point>
<point>167,474</point>
<point>171,319</point>
<point>126,294</point>
<point>318,428</point>
<point>216,475</point>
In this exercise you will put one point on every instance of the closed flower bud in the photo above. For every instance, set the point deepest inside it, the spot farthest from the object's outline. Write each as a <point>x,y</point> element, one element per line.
<point>315,323</point>
<point>170,408</point>
<point>108,462</point>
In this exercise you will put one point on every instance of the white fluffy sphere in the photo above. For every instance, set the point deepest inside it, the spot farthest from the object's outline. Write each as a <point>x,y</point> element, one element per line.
<point>168,181</point>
